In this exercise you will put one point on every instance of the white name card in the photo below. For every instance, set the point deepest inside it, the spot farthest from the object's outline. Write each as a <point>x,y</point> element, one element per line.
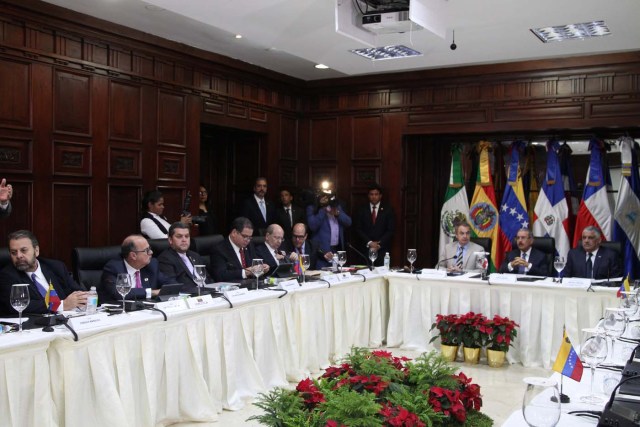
<point>431,273</point>
<point>332,278</point>
<point>382,270</point>
<point>502,278</point>
<point>576,282</point>
<point>200,301</point>
<point>81,323</point>
<point>367,273</point>
<point>290,285</point>
<point>345,275</point>
<point>172,306</point>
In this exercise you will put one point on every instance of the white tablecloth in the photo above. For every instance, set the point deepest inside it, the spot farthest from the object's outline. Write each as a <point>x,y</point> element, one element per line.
<point>142,371</point>
<point>541,312</point>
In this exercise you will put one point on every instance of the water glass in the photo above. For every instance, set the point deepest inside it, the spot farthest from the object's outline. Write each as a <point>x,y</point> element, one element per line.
<point>200,275</point>
<point>305,262</point>
<point>373,255</point>
<point>541,402</point>
<point>19,299</point>
<point>593,352</point>
<point>257,268</point>
<point>342,258</point>
<point>123,286</point>
<point>412,255</point>
<point>558,264</point>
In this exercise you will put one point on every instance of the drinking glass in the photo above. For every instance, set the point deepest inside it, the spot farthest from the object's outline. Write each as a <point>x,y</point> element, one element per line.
<point>593,352</point>
<point>614,323</point>
<point>305,262</point>
<point>629,303</point>
<point>19,299</point>
<point>342,259</point>
<point>257,268</point>
<point>373,256</point>
<point>412,255</point>
<point>541,402</point>
<point>558,264</point>
<point>123,286</point>
<point>200,275</point>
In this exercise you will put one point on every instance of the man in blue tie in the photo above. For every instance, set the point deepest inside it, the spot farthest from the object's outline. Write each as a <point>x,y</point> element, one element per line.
<point>592,261</point>
<point>525,259</point>
<point>258,209</point>
<point>28,267</point>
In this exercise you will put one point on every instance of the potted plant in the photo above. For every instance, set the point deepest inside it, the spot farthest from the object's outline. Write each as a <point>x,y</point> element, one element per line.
<point>473,332</point>
<point>502,331</point>
<point>449,339</point>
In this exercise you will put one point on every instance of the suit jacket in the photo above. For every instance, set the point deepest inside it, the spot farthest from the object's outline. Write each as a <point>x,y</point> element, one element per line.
<point>282,219</point>
<point>5,211</point>
<point>468,259</point>
<point>606,264</point>
<point>310,249</point>
<point>150,277</point>
<point>264,252</point>
<point>54,271</point>
<point>381,231</point>
<point>321,230</point>
<point>171,265</point>
<point>251,210</point>
<point>225,265</point>
<point>537,259</point>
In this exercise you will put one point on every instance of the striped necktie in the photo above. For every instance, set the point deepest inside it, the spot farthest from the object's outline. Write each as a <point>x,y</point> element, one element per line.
<point>459,257</point>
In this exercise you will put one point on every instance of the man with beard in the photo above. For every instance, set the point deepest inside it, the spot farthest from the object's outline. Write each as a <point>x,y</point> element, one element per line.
<point>259,210</point>
<point>39,273</point>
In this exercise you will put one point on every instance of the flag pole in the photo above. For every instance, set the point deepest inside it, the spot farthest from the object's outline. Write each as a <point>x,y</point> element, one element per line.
<point>563,397</point>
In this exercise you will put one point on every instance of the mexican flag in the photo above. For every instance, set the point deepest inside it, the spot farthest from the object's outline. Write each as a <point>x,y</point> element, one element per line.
<point>456,204</point>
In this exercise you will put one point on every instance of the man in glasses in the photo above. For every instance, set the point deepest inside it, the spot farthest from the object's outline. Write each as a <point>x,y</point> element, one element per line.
<point>231,259</point>
<point>300,245</point>
<point>143,270</point>
<point>270,251</point>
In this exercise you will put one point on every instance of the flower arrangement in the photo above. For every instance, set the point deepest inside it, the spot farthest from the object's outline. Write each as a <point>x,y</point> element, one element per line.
<point>473,330</point>
<point>374,388</point>
<point>502,331</point>
<point>447,326</point>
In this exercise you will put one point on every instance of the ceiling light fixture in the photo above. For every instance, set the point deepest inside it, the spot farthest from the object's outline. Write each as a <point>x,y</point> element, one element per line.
<point>561,33</point>
<point>321,67</point>
<point>386,52</point>
<point>238,36</point>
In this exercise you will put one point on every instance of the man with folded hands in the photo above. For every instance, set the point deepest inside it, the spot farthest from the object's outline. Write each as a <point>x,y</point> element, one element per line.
<point>143,270</point>
<point>525,259</point>
<point>178,261</point>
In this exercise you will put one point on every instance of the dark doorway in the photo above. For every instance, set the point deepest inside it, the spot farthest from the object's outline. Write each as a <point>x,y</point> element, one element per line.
<point>229,165</point>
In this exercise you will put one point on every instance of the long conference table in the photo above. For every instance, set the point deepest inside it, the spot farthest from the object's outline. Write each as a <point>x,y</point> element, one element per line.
<point>142,371</point>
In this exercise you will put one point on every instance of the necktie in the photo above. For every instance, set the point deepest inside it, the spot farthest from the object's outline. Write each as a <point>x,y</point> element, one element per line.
<point>521,268</point>
<point>459,257</point>
<point>138,281</point>
<point>290,217</point>
<point>589,266</point>
<point>275,256</point>
<point>242,259</point>
<point>373,215</point>
<point>42,291</point>
<point>187,263</point>
<point>263,210</point>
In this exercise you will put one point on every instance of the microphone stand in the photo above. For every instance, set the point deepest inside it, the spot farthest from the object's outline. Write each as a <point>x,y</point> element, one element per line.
<point>368,261</point>
<point>443,260</point>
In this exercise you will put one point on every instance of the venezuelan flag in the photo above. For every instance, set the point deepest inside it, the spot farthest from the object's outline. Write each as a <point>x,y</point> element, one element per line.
<point>51,299</point>
<point>624,287</point>
<point>567,361</point>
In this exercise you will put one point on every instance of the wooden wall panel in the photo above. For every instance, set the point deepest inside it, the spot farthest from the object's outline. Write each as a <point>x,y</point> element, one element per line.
<point>125,111</point>
<point>72,102</point>
<point>323,139</point>
<point>16,155</point>
<point>367,137</point>
<point>125,163</point>
<point>71,159</point>
<point>171,119</point>
<point>288,138</point>
<point>15,87</point>
<point>124,211</point>
<point>171,166</point>
<point>70,217</point>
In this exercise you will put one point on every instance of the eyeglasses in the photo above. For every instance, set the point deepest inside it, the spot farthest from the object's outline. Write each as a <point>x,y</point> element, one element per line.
<point>147,250</point>
<point>245,237</point>
<point>295,236</point>
<point>202,192</point>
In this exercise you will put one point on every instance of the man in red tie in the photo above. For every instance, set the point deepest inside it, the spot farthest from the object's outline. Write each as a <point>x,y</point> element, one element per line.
<point>143,270</point>
<point>375,224</point>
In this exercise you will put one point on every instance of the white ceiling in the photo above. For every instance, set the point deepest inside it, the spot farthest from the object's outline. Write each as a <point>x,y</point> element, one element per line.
<point>291,36</point>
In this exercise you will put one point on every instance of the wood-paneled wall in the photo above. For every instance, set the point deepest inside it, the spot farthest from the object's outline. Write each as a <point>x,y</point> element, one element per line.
<point>92,113</point>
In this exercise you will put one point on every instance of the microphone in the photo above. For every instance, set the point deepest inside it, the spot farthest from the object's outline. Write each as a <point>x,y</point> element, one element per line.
<point>443,260</point>
<point>368,261</point>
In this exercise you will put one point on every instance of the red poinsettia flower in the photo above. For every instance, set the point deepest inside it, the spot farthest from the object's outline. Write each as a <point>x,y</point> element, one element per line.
<point>310,393</point>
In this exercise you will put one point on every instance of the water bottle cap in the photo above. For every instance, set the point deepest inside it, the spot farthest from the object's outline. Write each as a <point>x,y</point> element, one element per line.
<point>93,288</point>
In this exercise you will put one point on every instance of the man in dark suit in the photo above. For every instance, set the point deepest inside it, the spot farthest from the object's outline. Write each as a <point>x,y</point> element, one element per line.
<point>231,259</point>
<point>375,224</point>
<point>143,270</point>
<point>526,259</point>
<point>178,261</point>
<point>6,191</point>
<point>257,209</point>
<point>288,214</point>
<point>270,251</point>
<point>592,261</point>
<point>38,273</point>
<point>300,245</point>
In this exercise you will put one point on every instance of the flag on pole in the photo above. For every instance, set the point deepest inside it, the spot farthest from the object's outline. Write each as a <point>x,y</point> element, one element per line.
<point>530,180</point>
<point>570,186</point>
<point>625,287</point>
<point>513,209</point>
<point>567,361</point>
<point>595,206</point>
<point>483,214</point>
<point>51,298</point>
<point>627,213</point>
<point>456,204</point>
<point>551,214</point>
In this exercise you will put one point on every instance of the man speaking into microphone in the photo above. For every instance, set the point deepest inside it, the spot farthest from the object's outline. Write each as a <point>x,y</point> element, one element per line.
<point>460,255</point>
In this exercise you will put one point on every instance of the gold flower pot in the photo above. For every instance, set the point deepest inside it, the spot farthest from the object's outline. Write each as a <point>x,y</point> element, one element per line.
<point>471,355</point>
<point>449,352</point>
<point>496,358</point>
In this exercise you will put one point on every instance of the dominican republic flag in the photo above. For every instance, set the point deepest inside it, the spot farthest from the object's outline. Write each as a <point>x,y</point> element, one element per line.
<point>513,209</point>
<point>551,214</point>
<point>51,298</point>
<point>626,228</point>
<point>483,213</point>
<point>456,204</point>
<point>567,361</point>
<point>595,206</point>
<point>570,186</point>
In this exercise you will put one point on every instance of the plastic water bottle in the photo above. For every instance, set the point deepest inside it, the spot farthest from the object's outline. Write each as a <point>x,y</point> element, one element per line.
<point>334,263</point>
<point>92,301</point>
<point>387,260</point>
